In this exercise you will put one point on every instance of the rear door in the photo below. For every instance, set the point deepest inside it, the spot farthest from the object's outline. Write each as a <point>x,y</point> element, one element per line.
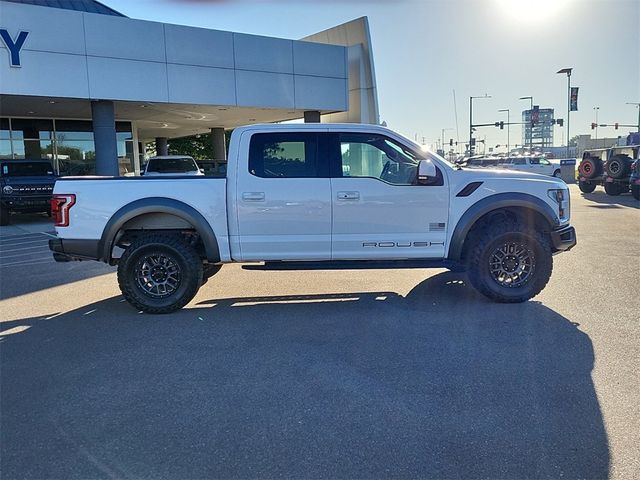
<point>283,198</point>
<point>379,210</point>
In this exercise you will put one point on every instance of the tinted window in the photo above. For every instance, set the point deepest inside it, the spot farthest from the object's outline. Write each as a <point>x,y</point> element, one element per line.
<point>376,156</point>
<point>171,165</point>
<point>519,161</point>
<point>534,161</point>
<point>26,169</point>
<point>284,155</point>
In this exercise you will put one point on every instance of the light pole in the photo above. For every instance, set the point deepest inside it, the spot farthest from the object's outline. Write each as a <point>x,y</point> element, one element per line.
<point>637,104</point>
<point>530,124</point>
<point>471,119</point>
<point>568,72</point>
<point>508,126</point>
<point>595,109</point>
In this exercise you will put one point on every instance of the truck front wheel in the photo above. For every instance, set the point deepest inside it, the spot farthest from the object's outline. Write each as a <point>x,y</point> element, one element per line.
<point>159,273</point>
<point>635,191</point>
<point>5,216</point>
<point>510,263</point>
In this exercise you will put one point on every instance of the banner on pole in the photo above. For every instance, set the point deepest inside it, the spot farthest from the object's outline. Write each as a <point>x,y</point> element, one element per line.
<point>574,99</point>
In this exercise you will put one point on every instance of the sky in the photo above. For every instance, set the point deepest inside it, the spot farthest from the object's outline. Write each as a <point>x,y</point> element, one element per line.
<point>425,49</point>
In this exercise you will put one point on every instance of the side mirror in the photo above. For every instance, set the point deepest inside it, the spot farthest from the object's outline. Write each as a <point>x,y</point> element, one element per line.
<point>427,172</point>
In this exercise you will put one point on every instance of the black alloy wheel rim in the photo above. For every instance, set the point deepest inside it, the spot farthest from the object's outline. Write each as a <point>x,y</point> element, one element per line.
<point>158,275</point>
<point>512,264</point>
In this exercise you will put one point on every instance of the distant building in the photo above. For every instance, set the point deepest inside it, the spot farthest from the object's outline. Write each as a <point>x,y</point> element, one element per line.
<point>539,135</point>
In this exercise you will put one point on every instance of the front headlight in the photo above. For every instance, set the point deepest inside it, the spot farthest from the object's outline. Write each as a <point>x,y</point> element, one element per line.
<point>561,197</point>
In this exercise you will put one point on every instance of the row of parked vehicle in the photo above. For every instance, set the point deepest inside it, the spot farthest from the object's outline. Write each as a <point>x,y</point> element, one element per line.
<point>26,186</point>
<point>617,169</point>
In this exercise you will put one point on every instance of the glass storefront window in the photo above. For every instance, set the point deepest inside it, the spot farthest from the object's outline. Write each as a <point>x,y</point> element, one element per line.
<point>5,149</point>
<point>68,143</point>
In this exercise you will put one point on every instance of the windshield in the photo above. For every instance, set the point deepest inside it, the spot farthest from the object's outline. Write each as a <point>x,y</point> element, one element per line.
<point>172,165</point>
<point>26,169</point>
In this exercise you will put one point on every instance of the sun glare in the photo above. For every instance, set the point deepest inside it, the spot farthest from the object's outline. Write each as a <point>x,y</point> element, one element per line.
<point>533,10</point>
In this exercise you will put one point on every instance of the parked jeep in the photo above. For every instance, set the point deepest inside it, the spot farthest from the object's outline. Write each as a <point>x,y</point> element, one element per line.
<point>26,186</point>
<point>634,180</point>
<point>610,167</point>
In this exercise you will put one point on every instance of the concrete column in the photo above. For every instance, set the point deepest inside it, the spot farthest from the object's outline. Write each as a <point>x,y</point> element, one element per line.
<point>162,146</point>
<point>312,116</point>
<point>219,143</point>
<point>104,136</point>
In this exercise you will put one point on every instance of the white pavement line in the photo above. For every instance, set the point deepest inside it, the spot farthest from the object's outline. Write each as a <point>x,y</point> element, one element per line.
<point>4,250</point>
<point>10,237</point>
<point>49,234</point>
<point>42,241</point>
<point>2,257</point>
<point>26,263</point>
<point>90,312</point>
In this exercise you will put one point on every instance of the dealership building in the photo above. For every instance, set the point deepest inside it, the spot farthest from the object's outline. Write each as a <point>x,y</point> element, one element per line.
<point>87,87</point>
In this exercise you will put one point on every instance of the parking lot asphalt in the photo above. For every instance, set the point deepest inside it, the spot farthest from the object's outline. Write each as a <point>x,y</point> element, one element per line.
<point>326,374</point>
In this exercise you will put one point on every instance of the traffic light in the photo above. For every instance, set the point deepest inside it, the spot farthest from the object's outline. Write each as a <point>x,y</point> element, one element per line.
<point>616,125</point>
<point>451,142</point>
<point>473,142</point>
<point>593,125</point>
<point>560,122</point>
<point>501,125</point>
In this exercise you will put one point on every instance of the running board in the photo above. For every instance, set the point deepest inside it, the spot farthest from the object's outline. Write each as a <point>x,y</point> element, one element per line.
<point>355,265</point>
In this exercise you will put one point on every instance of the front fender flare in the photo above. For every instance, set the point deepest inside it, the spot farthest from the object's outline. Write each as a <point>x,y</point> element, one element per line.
<point>496,202</point>
<point>159,205</point>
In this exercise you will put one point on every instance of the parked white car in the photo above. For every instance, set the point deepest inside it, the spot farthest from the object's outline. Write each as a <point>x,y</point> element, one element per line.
<point>534,164</point>
<point>172,165</point>
<point>539,165</point>
<point>316,193</point>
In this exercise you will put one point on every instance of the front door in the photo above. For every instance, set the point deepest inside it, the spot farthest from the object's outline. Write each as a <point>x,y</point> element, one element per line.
<point>379,209</point>
<point>284,199</point>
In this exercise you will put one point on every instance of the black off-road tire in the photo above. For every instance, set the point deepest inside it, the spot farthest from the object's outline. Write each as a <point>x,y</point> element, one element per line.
<point>618,166</point>
<point>635,191</point>
<point>613,189</point>
<point>557,173</point>
<point>171,247</point>
<point>586,187</point>
<point>5,217</point>
<point>208,271</point>
<point>501,234</point>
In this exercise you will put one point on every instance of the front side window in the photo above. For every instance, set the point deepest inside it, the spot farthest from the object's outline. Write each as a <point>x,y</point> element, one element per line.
<point>534,161</point>
<point>284,155</point>
<point>375,156</point>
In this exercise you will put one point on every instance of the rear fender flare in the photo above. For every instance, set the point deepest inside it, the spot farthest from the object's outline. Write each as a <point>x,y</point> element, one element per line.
<point>158,205</point>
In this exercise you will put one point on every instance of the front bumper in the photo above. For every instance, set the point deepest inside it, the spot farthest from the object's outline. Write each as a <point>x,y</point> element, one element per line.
<point>68,250</point>
<point>564,238</point>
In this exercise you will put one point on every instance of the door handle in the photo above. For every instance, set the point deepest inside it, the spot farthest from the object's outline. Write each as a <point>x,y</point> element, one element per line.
<point>253,196</point>
<point>348,195</point>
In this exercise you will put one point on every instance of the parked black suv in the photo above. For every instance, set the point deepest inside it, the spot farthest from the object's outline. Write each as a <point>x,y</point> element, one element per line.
<point>25,186</point>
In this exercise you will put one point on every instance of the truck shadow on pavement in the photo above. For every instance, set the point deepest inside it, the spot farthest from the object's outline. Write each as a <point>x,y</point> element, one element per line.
<point>439,383</point>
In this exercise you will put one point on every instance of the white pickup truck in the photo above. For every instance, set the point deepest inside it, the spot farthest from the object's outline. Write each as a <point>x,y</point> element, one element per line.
<point>301,194</point>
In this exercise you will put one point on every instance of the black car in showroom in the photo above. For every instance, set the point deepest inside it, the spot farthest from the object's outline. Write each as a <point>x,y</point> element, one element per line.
<point>26,186</point>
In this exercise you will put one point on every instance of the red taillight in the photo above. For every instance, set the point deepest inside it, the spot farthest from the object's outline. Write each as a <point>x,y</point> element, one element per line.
<point>60,205</point>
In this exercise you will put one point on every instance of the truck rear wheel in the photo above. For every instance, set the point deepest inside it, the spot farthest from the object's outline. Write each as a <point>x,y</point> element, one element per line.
<point>159,273</point>
<point>510,263</point>
<point>586,187</point>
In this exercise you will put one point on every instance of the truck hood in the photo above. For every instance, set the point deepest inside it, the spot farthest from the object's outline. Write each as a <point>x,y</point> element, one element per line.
<point>478,174</point>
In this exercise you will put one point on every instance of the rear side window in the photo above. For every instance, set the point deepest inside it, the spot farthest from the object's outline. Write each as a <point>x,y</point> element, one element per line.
<point>284,155</point>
